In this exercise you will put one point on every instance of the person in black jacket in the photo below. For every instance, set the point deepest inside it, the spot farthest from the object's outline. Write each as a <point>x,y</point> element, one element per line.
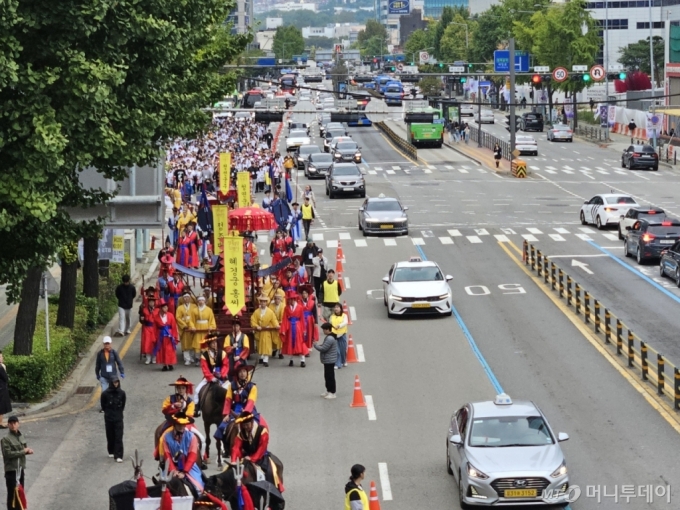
<point>5,402</point>
<point>125,293</point>
<point>113,404</point>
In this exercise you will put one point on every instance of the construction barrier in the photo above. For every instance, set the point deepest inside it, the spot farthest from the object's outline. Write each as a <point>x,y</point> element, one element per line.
<point>615,336</point>
<point>519,168</point>
<point>408,149</point>
<point>358,398</point>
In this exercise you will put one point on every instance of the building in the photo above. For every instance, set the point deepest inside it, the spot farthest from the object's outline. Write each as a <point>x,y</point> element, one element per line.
<point>433,8</point>
<point>390,21</point>
<point>409,23</point>
<point>327,31</point>
<point>242,16</point>
<point>273,23</point>
<point>293,6</point>
<point>265,40</point>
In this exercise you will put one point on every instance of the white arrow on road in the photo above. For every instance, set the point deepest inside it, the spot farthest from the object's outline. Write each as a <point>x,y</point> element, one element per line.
<point>582,265</point>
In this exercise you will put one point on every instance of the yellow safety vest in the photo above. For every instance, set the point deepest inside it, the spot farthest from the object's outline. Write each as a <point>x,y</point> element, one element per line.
<point>307,212</point>
<point>362,495</point>
<point>330,292</point>
<point>335,320</point>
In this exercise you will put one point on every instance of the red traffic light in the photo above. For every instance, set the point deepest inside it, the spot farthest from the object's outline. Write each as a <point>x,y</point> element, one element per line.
<point>536,79</point>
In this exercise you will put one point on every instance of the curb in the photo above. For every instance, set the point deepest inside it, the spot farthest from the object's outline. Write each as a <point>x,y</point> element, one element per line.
<point>459,151</point>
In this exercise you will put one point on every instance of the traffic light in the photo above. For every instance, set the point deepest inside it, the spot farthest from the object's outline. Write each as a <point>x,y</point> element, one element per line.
<point>581,77</point>
<point>441,65</point>
<point>546,78</point>
<point>470,66</point>
<point>586,78</point>
<point>412,63</point>
<point>463,79</point>
<point>536,79</point>
<point>616,76</point>
<point>622,75</point>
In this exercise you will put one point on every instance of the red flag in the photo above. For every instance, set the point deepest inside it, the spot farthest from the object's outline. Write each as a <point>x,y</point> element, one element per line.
<point>20,497</point>
<point>166,500</point>
<point>140,491</point>
<point>244,500</point>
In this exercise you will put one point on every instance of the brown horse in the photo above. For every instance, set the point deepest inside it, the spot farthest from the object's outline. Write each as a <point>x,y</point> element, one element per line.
<point>211,400</point>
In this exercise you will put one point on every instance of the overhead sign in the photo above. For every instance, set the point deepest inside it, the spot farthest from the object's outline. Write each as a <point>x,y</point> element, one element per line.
<point>501,61</point>
<point>560,74</point>
<point>597,73</point>
<point>424,57</point>
<point>615,67</point>
<point>541,69</point>
<point>399,7</point>
<point>579,68</point>
<point>456,69</point>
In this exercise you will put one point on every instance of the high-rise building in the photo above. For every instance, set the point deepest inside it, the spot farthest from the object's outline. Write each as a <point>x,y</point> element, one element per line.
<point>433,8</point>
<point>242,16</point>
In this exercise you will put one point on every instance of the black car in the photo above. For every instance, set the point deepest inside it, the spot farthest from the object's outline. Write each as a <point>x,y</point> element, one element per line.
<point>531,122</point>
<point>647,239</point>
<point>346,151</point>
<point>670,263</point>
<point>303,152</point>
<point>317,165</point>
<point>642,156</point>
<point>639,213</point>
<point>345,179</point>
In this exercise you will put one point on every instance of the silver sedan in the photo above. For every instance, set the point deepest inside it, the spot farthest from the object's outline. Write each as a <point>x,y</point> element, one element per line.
<point>383,215</point>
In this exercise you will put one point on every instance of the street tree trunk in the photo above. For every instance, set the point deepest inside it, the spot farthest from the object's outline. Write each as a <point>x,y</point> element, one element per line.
<point>24,327</point>
<point>91,267</point>
<point>66,312</point>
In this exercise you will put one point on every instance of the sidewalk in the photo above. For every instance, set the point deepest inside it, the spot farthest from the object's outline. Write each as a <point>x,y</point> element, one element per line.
<point>479,155</point>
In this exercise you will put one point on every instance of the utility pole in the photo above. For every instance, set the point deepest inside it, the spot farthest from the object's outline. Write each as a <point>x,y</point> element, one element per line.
<point>511,48</point>
<point>606,66</point>
<point>651,68</point>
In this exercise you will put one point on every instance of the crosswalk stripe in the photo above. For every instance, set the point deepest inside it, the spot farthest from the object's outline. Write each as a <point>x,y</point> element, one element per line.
<point>344,236</point>
<point>565,167</point>
<point>567,171</point>
<point>508,231</point>
<point>584,237</point>
<point>391,172</point>
<point>360,243</point>
<point>331,244</point>
<point>501,238</point>
<point>474,239</point>
<point>454,233</point>
<point>612,237</point>
<point>603,172</point>
<point>550,171</point>
<point>529,237</point>
<point>378,168</point>
<point>448,167</point>
<point>446,240</point>
<point>372,172</point>
<point>463,171</point>
<point>396,167</point>
<point>481,232</point>
<point>586,230</point>
<point>556,237</point>
<point>535,167</point>
<point>481,170</point>
<point>561,230</point>
<point>534,231</point>
<point>418,241</point>
<point>317,237</point>
<point>427,171</point>
<point>390,242</point>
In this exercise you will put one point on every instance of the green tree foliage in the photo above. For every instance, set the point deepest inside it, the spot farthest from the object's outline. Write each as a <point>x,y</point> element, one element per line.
<point>373,29</point>
<point>419,40</point>
<point>635,56</point>
<point>488,35</point>
<point>430,86</point>
<point>448,15</point>
<point>287,42</point>
<point>456,43</point>
<point>325,43</point>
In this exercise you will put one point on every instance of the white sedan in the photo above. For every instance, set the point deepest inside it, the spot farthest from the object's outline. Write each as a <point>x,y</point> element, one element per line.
<point>296,138</point>
<point>486,117</point>
<point>606,209</point>
<point>526,145</point>
<point>467,109</point>
<point>417,287</point>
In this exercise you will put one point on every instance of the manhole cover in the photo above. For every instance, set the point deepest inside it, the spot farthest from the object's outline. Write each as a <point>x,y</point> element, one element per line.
<point>84,390</point>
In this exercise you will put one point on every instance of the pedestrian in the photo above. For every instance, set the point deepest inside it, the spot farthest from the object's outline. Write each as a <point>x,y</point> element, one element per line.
<point>308,254</point>
<point>167,336</point>
<point>310,194</point>
<point>108,364</point>
<point>497,154</point>
<point>339,322</point>
<point>329,356</point>
<point>320,263</point>
<point>466,132</point>
<point>331,292</point>
<point>355,497</point>
<point>268,137</point>
<point>14,451</point>
<point>5,401</point>
<point>125,294</point>
<point>592,104</point>
<point>307,216</point>
<point>113,404</point>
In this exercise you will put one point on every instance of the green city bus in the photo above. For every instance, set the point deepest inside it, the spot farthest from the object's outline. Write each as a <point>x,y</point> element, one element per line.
<point>425,134</point>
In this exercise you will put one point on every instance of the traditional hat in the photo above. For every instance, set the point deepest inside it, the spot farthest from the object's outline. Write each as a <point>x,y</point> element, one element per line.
<point>290,268</point>
<point>186,292</point>
<point>238,368</point>
<point>244,417</point>
<point>248,234</point>
<point>207,339</point>
<point>305,288</point>
<point>162,302</point>
<point>150,290</point>
<point>263,298</point>
<point>297,257</point>
<point>291,294</point>
<point>167,259</point>
<point>200,298</point>
<point>182,381</point>
<point>181,418</point>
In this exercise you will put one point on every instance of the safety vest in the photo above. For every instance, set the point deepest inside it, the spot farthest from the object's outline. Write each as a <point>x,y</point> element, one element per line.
<point>335,320</point>
<point>362,495</point>
<point>307,212</point>
<point>330,292</point>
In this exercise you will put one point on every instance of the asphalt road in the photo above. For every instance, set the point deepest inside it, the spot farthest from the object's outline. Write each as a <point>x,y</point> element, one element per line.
<point>417,372</point>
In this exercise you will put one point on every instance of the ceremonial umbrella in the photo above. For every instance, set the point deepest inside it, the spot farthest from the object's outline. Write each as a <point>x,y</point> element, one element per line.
<point>251,218</point>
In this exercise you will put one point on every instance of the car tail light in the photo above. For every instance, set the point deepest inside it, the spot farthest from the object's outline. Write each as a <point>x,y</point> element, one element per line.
<point>570,132</point>
<point>648,238</point>
<point>666,223</point>
<point>656,156</point>
<point>610,209</point>
<point>636,154</point>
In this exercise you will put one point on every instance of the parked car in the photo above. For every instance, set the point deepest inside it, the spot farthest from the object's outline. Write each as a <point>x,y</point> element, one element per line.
<point>641,156</point>
<point>486,117</point>
<point>670,263</point>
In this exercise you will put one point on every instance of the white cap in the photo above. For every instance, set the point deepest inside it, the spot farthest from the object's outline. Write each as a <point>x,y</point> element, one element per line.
<point>107,340</point>
<point>201,298</point>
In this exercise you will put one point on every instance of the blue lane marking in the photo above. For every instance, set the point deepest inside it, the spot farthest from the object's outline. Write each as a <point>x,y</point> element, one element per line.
<point>637,273</point>
<point>473,345</point>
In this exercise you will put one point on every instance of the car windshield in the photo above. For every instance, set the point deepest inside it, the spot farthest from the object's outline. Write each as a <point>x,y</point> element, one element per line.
<point>321,157</point>
<point>383,205</point>
<point>533,116</point>
<point>619,200</point>
<point>525,139</point>
<point>663,230</point>
<point>335,125</point>
<point>417,274</point>
<point>309,149</point>
<point>346,146</point>
<point>346,170</point>
<point>298,134</point>
<point>561,128</point>
<point>393,89</point>
<point>643,148</point>
<point>510,431</point>
<point>332,133</point>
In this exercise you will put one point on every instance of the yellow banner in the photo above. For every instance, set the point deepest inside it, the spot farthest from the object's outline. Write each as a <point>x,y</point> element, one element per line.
<point>234,288</point>
<point>220,226</point>
<point>243,188</point>
<point>225,171</point>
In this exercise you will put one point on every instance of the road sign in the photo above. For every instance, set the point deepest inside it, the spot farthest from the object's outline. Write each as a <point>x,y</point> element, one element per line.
<point>541,69</point>
<point>456,69</point>
<point>516,153</point>
<point>501,61</point>
<point>424,57</point>
<point>560,74</point>
<point>400,66</point>
<point>579,69</point>
<point>597,72</point>
<point>345,103</point>
<point>615,67</point>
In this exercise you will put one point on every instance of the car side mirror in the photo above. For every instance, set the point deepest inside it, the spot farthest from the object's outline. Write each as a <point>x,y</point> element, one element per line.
<point>386,279</point>
<point>449,277</point>
<point>562,436</point>
<point>586,202</point>
<point>456,439</point>
<point>405,208</point>
<point>629,228</point>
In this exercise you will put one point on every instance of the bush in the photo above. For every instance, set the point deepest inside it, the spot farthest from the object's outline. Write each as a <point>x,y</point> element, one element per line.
<point>587,116</point>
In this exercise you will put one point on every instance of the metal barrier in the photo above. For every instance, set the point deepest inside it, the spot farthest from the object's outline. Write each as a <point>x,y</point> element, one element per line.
<point>489,141</point>
<point>518,168</point>
<point>592,132</point>
<point>639,356</point>
<point>408,148</point>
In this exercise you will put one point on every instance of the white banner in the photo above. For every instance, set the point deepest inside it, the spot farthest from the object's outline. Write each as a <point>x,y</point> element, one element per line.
<point>118,246</point>
<point>654,124</point>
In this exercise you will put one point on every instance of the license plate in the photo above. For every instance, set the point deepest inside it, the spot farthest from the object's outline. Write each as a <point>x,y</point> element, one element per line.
<point>386,226</point>
<point>664,241</point>
<point>427,135</point>
<point>347,189</point>
<point>520,493</point>
<point>421,305</point>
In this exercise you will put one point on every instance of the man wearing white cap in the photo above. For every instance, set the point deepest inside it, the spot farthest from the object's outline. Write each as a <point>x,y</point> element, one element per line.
<point>108,365</point>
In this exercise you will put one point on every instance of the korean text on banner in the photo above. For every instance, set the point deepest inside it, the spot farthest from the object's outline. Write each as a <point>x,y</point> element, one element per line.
<point>225,171</point>
<point>118,254</point>
<point>234,288</point>
<point>243,188</point>
<point>220,226</point>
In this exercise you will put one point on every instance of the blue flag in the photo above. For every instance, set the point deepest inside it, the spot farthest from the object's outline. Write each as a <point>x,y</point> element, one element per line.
<point>289,191</point>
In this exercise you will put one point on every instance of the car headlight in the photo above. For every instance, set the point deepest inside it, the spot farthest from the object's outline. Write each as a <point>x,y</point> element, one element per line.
<point>444,296</point>
<point>396,298</point>
<point>337,154</point>
<point>357,155</point>
<point>311,167</point>
<point>560,471</point>
<point>473,472</point>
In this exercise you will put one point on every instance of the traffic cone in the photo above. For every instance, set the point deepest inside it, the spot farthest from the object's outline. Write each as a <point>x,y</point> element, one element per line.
<point>340,255</point>
<point>358,400</point>
<point>338,265</point>
<point>351,353</point>
<point>341,282</point>
<point>373,501</point>
<point>345,310</point>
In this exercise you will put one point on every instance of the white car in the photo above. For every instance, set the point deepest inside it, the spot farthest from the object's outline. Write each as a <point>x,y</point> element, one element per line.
<point>467,109</point>
<point>296,138</point>
<point>606,209</point>
<point>560,132</point>
<point>526,145</point>
<point>417,287</point>
<point>486,117</point>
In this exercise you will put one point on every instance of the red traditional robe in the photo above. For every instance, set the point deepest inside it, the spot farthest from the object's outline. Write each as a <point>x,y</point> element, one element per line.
<point>311,333</point>
<point>187,250</point>
<point>167,338</point>
<point>280,251</point>
<point>293,331</point>
<point>148,320</point>
<point>292,284</point>
<point>176,288</point>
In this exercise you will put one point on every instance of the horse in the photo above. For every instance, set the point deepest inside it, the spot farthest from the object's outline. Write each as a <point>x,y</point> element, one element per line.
<point>211,398</point>
<point>223,485</point>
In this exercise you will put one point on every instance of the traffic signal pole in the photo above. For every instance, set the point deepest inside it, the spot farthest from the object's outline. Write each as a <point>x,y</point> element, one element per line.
<point>513,125</point>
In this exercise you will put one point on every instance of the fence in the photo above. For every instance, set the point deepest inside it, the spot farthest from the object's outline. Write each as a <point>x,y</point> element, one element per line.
<point>616,336</point>
<point>592,132</point>
<point>489,141</point>
<point>408,149</point>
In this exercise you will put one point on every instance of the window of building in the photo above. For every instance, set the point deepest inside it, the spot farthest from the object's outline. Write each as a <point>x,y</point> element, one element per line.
<point>614,24</point>
<point>645,25</point>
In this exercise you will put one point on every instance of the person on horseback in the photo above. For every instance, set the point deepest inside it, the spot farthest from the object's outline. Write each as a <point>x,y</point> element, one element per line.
<point>237,345</point>
<point>241,396</point>
<point>180,402</point>
<point>251,442</point>
<point>180,450</point>
<point>215,367</point>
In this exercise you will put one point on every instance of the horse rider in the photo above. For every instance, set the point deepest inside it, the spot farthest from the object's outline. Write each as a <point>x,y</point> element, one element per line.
<point>180,451</point>
<point>251,442</point>
<point>241,396</point>
<point>237,345</point>
<point>179,402</point>
<point>215,367</point>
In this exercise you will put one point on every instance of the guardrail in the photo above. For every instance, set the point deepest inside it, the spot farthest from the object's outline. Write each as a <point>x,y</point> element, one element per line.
<point>489,141</point>
<point>408,149</point>
<point>592,132</point>
<point>616,336</point>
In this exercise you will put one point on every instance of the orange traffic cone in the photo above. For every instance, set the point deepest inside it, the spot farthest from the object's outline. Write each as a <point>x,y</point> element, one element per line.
<point>358,400</point>
<point>338,265</point>
<point>341,282</point>
<point>340,255</point>
<point>351,353</point>
<point>373,501</point>
<point>345,310</point>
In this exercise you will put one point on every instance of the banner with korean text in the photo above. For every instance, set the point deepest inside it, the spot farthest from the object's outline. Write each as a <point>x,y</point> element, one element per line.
<point>243,189</point>
<point>234,288</point>
<point>225,171</point>
<point>220,226</point>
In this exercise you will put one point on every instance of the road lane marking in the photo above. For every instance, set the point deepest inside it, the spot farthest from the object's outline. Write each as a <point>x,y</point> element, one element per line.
<point>372,172</point>
<point>534,231</point>
<point>417,241</point>
<point>344,236</point>
<point>463,171</point>
<point>427,171</point>
<point>584,237</point>
<point>391,172</point>
<point>474,239</point>
<point>396,167</point>
<point>370,407</point>
<point>561,230</point>
<point>360,353</point>
<point>611,237</point>
<point>577,256</point>
<point>454,233</point>
<point>347,285</point>
<point>508,231</point>
<point>390,242</point>
<point>586,230</point>
<point>353,313</point>
<point>331,244</point>
<point>529,237</point>
<point>385,481</point>
<point>481,232</point>
<point>446,240</point>
<point>317,237</point>
<point>556,237</point>
<point>360,243</point>
<point>501,238</point>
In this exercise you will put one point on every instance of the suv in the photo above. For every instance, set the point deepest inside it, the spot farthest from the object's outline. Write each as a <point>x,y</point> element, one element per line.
<point>328,136</point>
<point>641,156</point>
<point>531,122</point>
<point>639,213</point>
<point>345,178</point>
<point>648,238</point>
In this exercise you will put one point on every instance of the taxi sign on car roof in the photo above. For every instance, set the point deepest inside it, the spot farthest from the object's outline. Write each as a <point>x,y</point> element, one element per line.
<point>415,259</point>
<point>503,400</point>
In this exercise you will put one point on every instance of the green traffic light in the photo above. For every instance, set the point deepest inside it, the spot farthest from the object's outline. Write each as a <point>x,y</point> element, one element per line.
<point>470,66</point>
<point>586,77</point>
<point>441,65</point>
<point>411,64</point>
<point>622,76</point>
<point>463,79</point>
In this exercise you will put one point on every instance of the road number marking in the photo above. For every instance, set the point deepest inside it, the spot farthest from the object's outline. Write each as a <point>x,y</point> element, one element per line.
<point>512,288</point>
<point>484,290</point>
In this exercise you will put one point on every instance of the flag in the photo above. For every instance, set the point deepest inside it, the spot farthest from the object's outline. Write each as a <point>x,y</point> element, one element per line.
<point>166,500</point>
<point>289,191</point>
<point>140,491</point>
<point>235,294</point>
<point>244,500</point>
<point>19,497</point>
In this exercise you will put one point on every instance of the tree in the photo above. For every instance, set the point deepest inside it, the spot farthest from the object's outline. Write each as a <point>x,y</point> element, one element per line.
<point>457,40</point>
<point>419,40</point>
<point>320,42</point>
<point>287,42</point>
<point>448,15</point>
<point>375,46</point>
<point>635,57</point>
<point>430,86</point>
<point>373,29</point>
<point>488,34</point>
<point>66,311</point>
